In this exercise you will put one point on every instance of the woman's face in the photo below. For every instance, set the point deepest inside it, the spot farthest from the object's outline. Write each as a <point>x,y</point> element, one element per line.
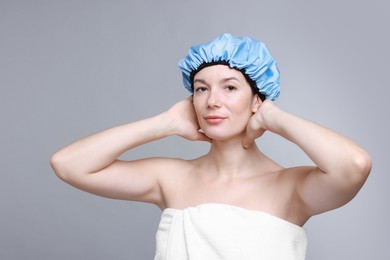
<point>223,101</point>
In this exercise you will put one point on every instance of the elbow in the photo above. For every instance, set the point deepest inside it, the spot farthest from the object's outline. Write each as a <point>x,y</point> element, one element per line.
<point>362,165</point>
<point>59,166</point>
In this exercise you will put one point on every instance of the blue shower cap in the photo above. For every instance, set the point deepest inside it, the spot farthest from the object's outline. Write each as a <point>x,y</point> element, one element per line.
<point>242,53</point>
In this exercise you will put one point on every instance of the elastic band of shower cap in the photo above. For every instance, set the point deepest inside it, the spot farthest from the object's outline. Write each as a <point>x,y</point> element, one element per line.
<point>242,53</point>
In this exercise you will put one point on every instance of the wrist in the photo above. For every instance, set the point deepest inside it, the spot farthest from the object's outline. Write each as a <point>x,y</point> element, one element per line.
<point>272,117</point>
<point>166,123</point>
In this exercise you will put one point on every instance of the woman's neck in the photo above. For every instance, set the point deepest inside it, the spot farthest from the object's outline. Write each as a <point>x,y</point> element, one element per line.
<point>230,159</point>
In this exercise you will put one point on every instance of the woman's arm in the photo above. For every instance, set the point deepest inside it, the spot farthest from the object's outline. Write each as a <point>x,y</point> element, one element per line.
<point>342,166</point>
<point>91,163</point>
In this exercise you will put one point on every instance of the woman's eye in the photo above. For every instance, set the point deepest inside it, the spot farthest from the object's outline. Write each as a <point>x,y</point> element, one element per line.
<point>231,88</point>
<point>200,89</point>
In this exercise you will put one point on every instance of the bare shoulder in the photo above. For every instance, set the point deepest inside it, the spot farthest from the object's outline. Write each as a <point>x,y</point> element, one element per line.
<point>294,178</point>
<point>171,174</point>
<point>161,162</point>
<point>165,170</point>
<point>297,173</point>
<point>168,166</point>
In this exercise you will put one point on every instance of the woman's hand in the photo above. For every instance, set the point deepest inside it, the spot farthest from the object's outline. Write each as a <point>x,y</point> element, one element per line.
<point>184,122</point>
<point>259,122</point>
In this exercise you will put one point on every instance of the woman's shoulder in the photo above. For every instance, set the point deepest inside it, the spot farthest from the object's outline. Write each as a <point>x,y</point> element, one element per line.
<point>175,161</point>
<point>168,166</point>
<point>298,171</point>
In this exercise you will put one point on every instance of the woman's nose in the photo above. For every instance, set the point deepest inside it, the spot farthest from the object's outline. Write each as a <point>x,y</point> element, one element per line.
<point>213,99</point>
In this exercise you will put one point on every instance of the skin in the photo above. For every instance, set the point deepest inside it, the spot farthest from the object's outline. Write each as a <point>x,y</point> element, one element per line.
<point>234,171</point>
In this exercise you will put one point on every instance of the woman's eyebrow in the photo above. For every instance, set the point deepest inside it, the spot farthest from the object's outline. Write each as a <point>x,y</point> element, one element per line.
<point>222,80</point>
<point>200,81</point>
<point>230,78</point>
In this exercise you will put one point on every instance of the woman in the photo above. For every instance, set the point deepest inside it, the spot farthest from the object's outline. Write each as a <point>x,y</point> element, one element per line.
<point>234,202</point>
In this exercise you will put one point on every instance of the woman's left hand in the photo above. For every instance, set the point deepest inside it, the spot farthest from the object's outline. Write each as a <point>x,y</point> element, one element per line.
<point>258,123</point>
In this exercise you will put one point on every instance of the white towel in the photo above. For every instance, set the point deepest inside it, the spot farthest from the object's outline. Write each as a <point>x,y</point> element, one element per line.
<point>221,231</point>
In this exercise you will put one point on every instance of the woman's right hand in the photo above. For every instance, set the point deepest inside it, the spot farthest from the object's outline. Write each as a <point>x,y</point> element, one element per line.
<point>184,122</point>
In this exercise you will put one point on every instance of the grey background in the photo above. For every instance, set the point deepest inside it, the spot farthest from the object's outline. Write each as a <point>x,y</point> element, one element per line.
<point>72,68</point>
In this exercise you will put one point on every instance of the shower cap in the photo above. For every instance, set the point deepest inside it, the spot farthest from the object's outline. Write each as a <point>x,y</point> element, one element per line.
<point>245,54</point>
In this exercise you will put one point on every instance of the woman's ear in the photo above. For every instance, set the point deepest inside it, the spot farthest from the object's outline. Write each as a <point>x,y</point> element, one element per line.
<point>256,103</point>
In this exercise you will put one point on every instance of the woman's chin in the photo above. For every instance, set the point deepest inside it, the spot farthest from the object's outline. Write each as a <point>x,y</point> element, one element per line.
<point>224,137</point>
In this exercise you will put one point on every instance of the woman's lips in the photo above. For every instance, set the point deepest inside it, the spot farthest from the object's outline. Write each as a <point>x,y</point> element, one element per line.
<point>214,119</point>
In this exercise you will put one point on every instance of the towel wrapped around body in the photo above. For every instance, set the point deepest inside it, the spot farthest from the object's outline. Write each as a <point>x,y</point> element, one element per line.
<point>221,231</point>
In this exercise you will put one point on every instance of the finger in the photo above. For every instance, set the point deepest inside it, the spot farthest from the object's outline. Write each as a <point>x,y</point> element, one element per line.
<point>202,137</point>
<point>248,138</point>
<point>251,136</point>
<point>247,142</point>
